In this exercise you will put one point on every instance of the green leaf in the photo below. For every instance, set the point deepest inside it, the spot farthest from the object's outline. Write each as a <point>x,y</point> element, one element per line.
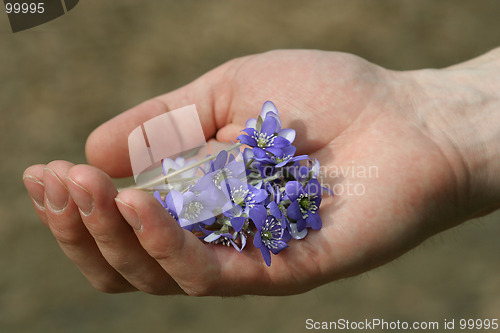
<point>259,124</point>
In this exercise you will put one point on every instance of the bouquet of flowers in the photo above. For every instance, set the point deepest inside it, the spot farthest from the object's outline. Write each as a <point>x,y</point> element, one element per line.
<point>264,192</point>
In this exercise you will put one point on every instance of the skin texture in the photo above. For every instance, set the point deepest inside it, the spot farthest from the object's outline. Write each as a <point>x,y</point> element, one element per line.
<point>418,130</point>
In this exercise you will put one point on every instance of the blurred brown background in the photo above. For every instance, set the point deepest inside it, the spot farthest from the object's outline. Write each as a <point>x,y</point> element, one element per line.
<point>62,79</point>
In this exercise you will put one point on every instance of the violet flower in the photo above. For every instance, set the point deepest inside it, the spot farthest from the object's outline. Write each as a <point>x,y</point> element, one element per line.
<point>305,201</point>
<point>265,133</point>
<point>270,235</point>
<point>227,239</point>
<point>242,194</point>
<point>172,203</point>
<point>195,208</point>
<point>181,181</point>
<point>225,166</point>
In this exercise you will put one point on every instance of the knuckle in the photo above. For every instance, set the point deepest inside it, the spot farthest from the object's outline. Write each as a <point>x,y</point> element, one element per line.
<point>159,254</point>
<point>165,250</point>
<point>103,239</point>
<point>108,287</point>
<point>155,105</point>
<point>201,288</point>
<point>67,237</point>
<point>110,283</point>
<point>153,290</point>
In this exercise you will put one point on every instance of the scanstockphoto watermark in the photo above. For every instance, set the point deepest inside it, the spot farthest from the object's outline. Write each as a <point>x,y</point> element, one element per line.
<point>377,324</point>
<point>371,324</point>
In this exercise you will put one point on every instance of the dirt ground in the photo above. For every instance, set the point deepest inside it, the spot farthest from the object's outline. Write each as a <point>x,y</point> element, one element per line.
<point>61,80</point>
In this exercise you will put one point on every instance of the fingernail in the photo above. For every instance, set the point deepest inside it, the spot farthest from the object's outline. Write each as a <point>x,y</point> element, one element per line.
<point>81,196</point>
<point>130,214</point>
<point>55,190</point>
<point>35,189</point>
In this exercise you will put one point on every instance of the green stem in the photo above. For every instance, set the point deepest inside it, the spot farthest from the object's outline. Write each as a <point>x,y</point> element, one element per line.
<point>256,181</point>
<point>249,163</point>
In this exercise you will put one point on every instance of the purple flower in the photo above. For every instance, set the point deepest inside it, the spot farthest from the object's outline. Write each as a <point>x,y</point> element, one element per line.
<point>225,166</point>
<point>237,221</point>
<point>195,208</point>
<point>270,235</point>
<point>305,201</point>
<point>173,202</point>
<point>227,239</point>
<point>302,173</point>
<point>237,218</point>
<point>265,133</point>
<point>242,194</point>
<point>181,181</point>
<point>270,110</point>
<point>169,165</point>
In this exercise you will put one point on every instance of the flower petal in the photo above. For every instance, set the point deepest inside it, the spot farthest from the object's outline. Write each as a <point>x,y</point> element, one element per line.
<point>300,158</point>
<point>168,164</point>
<point>269,126</point>
<point>266,255</point>
<point>258,214</point>
<point>275,151</point>
<point>301,225</point>
<point>220,160</point>
<point>280,246</point>
<point>274,210</point>
<point>251,123</point>
<point>243,241</point>
<point>249,131</point>
<point>212,237</point>
<point>293,189</point>
<point>236,247</point>
<point>293,211</point>
<point>257,240</point>
<point>290,150</point>
<point>295,233</point>
<point>174,201</point>
<point>268,107</point>
<point>184,222</point>
<point>259,152</point>
<point>313,187</point>
<point>260,195</point>
<point>314,221</point>
<point>160,200</point>
<point>246,140</point>
<point>280,142</point>
<point>237,222</point>
<point>288,134</point>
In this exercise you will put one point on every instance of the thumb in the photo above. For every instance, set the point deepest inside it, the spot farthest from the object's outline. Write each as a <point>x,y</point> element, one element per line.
<point>107,146</point>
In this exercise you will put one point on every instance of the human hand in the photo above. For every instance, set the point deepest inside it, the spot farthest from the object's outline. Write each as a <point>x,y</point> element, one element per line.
<point>350,114</point>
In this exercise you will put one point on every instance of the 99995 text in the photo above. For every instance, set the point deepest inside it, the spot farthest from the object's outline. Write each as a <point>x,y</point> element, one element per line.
<point>24,8</point>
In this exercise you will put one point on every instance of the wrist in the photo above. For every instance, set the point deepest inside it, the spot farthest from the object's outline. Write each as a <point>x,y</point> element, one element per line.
<point>459,109</point>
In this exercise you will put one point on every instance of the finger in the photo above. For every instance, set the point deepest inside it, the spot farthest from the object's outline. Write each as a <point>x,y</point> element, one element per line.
<point>191,263</point>
<point>107,146</point>
<point>94,193</point>
<point>33,181</point>
<point>67,227</point>
<point>229,133</point>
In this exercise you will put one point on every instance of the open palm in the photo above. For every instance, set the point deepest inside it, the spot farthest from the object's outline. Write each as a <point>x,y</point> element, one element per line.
<point>394,185</point>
